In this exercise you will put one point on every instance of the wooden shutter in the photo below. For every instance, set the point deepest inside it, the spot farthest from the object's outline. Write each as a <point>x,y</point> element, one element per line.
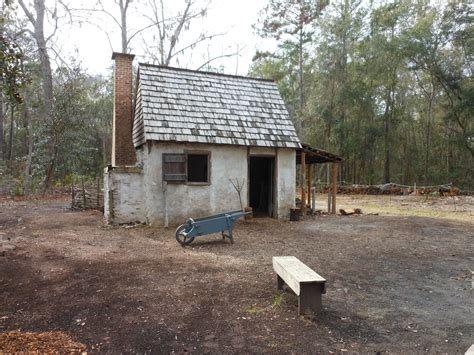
<point>174,167</point>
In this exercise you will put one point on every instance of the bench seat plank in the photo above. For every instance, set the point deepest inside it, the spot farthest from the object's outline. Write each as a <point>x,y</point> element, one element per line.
<point>294,272</point>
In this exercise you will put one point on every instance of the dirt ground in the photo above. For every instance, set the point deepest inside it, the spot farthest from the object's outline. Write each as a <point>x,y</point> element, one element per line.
<point>397,282</point>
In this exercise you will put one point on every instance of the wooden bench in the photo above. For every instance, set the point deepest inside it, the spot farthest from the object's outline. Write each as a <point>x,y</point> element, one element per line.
<point>307,284</point>
<point>470,351</point>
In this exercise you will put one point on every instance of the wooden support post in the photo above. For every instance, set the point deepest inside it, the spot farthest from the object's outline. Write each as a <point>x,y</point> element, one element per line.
<point>303,183</point>
<point>334,187</point>
<point>310,183</point>
<point>329,201</point>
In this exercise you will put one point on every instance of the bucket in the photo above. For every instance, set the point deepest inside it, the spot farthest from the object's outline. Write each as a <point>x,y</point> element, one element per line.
<point>295,214</point>
<point>250,215</point>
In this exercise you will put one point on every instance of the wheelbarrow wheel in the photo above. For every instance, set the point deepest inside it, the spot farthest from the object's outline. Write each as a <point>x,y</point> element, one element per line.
<point>181,235</point>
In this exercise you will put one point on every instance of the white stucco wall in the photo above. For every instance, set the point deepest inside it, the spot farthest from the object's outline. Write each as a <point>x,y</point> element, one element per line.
<point>226,162</point>
<point>186,200</point>
<point>123,195</point>
<point>137,194</point>
<point>286,181</point>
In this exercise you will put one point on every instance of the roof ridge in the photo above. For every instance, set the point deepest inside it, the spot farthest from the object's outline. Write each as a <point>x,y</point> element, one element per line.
<point>206,72</point>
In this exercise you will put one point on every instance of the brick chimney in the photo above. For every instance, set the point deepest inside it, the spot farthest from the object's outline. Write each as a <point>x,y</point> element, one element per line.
<point>123,151</point>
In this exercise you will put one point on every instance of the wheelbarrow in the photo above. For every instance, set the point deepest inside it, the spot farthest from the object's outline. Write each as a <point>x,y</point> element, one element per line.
<point>219,223</point>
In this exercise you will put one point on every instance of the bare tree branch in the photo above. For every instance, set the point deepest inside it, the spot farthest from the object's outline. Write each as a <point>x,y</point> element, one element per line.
<point>170,30</point>
<point>56,19</point>
<point>27,12</point>
<point>177,31</point>
<point>201,39</point>
<point>217,57</point>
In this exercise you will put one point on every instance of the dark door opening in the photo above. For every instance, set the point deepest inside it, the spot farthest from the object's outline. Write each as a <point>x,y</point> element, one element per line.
<point>261,185</point>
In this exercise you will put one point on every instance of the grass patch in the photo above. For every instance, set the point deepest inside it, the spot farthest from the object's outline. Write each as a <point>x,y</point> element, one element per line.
<point>252,310</point>
<point>459,208</point>
<point>278,299</point>
<point>417,212</point>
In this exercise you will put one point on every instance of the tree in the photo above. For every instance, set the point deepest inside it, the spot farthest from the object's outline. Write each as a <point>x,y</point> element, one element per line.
<point>387,23</point>
<point>78,126</point>
<point>430,39</point>
<point>36,17</point>
<point>292,22</point>
<point>337,81</point>
<point>280,68</point>
<point>12,75</point>
<point>101,13</point>
<point>169,29</point>
<point>388,86</point>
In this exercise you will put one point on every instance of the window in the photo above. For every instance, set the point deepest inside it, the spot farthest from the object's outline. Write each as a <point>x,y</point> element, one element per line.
<point>192,167</point>
<point>198,167</point>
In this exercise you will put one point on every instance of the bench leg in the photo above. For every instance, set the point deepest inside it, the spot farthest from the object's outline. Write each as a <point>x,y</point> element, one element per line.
<point>280,282</point>
<point>309,300</point>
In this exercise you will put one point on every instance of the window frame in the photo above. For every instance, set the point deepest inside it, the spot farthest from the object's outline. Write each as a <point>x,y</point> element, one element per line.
<point>199,152</point>
<point>185,181</point>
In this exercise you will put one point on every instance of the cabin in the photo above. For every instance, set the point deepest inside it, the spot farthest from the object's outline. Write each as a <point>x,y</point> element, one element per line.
<point>184,142</point>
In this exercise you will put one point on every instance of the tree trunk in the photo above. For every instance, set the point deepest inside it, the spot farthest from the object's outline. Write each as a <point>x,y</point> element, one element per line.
<point>301,89</point>
<point>345,168</point>
<point>446,138</point>
<point>10,139</point>
<point>123,24</point>
<point>46,74</point>
<point>2,112</point>
<point>389,111</point>
<point>50,171</point>
<point>29,129</point>
<point>386,167</point>
<point>429,118</point>
<point>2,142</point>
<point>406,154</point>
<point>104,156</point>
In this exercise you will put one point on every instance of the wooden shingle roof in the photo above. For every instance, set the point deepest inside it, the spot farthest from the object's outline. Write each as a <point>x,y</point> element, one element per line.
<point>190,106</point>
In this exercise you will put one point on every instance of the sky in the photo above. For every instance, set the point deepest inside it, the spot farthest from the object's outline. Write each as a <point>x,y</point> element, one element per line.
<point>90,45</point>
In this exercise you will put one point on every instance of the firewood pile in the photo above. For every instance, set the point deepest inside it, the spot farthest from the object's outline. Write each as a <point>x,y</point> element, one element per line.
<point>395,189</point>
<point>87,198</point>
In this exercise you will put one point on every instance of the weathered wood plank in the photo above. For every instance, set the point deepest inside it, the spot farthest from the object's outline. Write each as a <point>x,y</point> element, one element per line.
<point>310,299</point>
<point>470,351</point>
<point>294,272</point>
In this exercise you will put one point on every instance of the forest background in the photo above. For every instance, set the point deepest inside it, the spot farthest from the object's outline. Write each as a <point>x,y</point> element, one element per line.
<point>387,85</point>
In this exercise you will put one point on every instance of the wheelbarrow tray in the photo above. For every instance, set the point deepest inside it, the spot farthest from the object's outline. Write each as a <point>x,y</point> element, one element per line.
<point>219,223</point>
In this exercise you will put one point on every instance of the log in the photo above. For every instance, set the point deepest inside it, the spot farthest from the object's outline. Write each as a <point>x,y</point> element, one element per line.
<point>347,211</point>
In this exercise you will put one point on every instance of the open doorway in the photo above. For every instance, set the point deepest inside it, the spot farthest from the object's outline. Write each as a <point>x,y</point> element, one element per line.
<point>261,172</point>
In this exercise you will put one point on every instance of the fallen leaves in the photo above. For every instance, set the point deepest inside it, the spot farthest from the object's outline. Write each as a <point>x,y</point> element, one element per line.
<point>47,342</point>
